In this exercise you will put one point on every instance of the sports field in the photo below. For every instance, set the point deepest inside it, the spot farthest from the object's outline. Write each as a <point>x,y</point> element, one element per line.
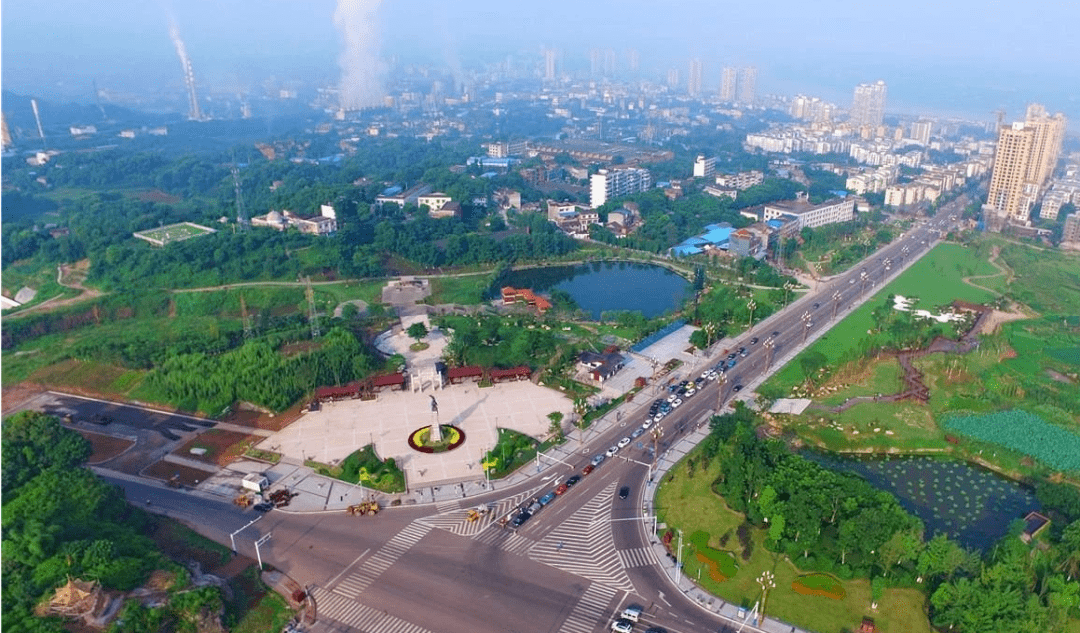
<point>173,233</point>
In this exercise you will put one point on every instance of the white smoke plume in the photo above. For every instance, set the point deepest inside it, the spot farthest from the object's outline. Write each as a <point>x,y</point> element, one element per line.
<point>189,74</point>
<point>362,71</point>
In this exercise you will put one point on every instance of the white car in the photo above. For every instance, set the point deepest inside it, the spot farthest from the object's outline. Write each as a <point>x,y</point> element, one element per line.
<point>660,416</point>
<point>622,625</point>
<point>672,397</point>
<point>647,424</point>
<point>689,392</point>
<point>611,451</point>
<point>624,442</point>
<point>678,401</point>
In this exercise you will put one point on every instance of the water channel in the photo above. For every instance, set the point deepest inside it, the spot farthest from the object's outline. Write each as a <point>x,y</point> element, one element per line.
<point>601,287</point>
<point>972,505</point>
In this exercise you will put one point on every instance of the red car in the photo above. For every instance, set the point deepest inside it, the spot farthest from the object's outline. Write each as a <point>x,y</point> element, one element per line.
<point>561,489</point>
<point>588,469</point>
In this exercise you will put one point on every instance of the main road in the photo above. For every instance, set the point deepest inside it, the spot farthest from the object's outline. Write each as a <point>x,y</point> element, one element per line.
<point>575,564</point>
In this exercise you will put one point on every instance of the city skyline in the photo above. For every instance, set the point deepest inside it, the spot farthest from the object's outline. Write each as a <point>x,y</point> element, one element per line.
<point>283,42</point>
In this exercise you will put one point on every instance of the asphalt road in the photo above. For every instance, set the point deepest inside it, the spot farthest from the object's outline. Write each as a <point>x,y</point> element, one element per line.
<point>586,555</point>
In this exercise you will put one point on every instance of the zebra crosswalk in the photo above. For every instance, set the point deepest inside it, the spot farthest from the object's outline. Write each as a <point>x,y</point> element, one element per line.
<point>506,540</point>
<point>354,584</point>
<point>640,557</point>
<point>584,545</point>
<point>453,518</point>
<point>358,616</point>
<point>592,608</point>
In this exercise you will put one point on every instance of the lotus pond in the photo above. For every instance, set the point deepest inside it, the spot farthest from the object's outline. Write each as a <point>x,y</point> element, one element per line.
<point>971,505</point>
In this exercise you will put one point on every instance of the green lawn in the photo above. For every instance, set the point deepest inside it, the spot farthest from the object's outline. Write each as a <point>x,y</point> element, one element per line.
<point>467,290</point>
<point>936,280</point>
<point>687,503</point>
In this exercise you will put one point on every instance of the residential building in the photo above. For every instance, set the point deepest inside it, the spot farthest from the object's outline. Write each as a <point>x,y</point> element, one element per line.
<point>811,215</point>
<point>920,131</point>
<point>728,78</point>
<point>704,167</point>
<point>550,69</point>
<point>868,105</point>
<point>613,183</point>
<point>526,296</point>
<point>506,149</point>
<point>433,201</point>
<point>1026,154</point>
<point>1070,236</point>
<point>745,243</point>
<point>741,181</point>
<point>693,81</point>
<point>721,192</point>
<point>746,89</point>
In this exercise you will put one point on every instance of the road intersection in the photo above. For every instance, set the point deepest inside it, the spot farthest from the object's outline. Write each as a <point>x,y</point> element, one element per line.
<point>425,567</point>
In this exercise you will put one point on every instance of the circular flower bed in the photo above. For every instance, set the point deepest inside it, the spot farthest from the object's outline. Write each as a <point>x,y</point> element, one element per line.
<point>452,437</point>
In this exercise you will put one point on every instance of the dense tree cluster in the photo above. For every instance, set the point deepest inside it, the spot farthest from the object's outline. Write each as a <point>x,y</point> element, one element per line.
<point>258,373</point>
<point>839,523</point>
<point>60,521</point>
<point>492,341</point>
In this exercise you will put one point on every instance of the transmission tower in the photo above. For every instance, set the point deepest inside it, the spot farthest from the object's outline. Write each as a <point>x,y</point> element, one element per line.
<point>241,213</point>
<point>312,317</point>
<point>245,317</point>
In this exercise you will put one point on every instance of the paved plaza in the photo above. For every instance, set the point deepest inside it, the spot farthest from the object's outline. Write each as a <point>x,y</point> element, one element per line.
<point>339,428</point>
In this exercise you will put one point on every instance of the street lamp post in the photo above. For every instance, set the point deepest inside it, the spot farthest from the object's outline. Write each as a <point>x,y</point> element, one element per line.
<point>259,542</point>
<point>788,287</point>
<point>806,325</point>
<point>836,302</point>
<point>721,379</point>
<point>750,305</point>
<point>768,344</point>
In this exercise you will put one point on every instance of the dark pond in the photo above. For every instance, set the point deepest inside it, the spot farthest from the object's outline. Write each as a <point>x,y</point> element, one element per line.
<point>971,505</point>
<point>610,286</point>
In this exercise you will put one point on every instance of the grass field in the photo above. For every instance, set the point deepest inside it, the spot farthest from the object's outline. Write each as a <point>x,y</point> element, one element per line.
<point>936,280</point>
<point>467,290</point>
<point>687,503</point>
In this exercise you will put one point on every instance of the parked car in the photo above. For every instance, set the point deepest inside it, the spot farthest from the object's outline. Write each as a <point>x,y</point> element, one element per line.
<point>573,480</point>
<point>263,507</point>
<point>647,423</point>
<point>737,388</point>
<point>588,469</point>
<point>561,489</point>
<point>678,401</point>
<point>546,499</point>
<point>599,457</point>
<point>754,341</point>
<point>520,519</point>
<point>638,432</point>
<point>611,451</point>
<point>622,625</point>
<point>624,442</point>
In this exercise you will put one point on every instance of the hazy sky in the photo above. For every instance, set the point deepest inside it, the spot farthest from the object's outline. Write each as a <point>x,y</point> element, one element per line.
<point>970,56</point>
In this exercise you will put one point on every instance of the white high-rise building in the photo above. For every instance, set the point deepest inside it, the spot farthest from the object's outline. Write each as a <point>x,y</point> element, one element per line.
<point>704,167</point>
<point>550,68</point>
<point>920,131</point>
<point>747,86</point>
<point>727,84</point>
<point>868,104</point>
<point>693,82</point>
<point>613,183</point>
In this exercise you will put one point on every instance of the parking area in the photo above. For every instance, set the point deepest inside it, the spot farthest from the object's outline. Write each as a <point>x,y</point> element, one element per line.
<point>339,428</point>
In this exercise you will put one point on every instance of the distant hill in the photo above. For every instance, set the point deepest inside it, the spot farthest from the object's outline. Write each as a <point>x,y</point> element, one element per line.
<point>57,117</point>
